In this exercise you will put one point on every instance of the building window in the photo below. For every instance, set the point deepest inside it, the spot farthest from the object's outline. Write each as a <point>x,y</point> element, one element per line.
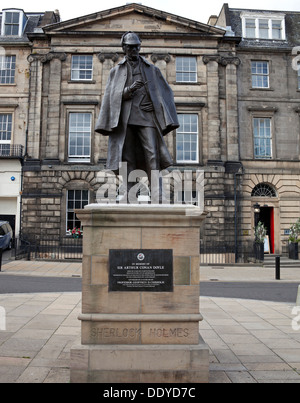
<point>80,129</point>
<point>260,74</point>
<point>7,69</point>
<point>76,199</point>
<point>276,29</point>
<point>82,67</point>
<point>11,23</point>
<point>187,139</point>
<point>5,128</point>
<point>5,133</point>
<point>263,190</point>
<point>262,132</point>
<point>250,28</point>
<point>187,197</point>
<point>186,69</point>
<point>262,26</point>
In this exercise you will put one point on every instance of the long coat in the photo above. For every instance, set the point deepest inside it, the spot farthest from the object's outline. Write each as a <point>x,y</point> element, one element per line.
<point>115,112</point>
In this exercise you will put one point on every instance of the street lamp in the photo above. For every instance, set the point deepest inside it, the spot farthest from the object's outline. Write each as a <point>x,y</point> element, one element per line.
<point>256,213</point>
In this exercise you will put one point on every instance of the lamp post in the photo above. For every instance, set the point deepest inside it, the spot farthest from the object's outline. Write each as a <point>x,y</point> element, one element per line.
<point>256,214</point>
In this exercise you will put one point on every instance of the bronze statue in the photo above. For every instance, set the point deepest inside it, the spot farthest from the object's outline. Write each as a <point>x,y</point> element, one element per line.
<point>137,110</point>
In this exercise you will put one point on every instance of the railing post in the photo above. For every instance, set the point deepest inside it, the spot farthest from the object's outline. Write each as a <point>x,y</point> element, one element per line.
<point>1,253</point>
<point>277,267</point>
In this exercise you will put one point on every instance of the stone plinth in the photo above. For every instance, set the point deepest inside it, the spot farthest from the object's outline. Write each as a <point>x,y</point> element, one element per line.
<point>140,336</point>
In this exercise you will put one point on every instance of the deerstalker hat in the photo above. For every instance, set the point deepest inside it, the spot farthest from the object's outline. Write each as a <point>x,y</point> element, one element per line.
<point>130,38</point>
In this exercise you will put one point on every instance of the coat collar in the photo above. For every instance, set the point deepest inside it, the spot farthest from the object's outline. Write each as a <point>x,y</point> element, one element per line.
<point>124,60</point>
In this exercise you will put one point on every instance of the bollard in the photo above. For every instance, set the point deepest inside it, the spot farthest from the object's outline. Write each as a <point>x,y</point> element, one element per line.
<point>277,267</point>
<point>1,250</point>
<point>298,297</point>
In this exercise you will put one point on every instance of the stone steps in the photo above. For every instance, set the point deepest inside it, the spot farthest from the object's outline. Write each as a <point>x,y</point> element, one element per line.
<point>270,261</point>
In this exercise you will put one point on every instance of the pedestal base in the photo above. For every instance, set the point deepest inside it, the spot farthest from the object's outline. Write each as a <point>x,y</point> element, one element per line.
<point>140,364</point>
<point>140,335</point>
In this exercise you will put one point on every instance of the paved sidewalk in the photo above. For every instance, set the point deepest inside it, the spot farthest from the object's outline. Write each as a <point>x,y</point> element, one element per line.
<point>249,341</point>
<point>42,268</point>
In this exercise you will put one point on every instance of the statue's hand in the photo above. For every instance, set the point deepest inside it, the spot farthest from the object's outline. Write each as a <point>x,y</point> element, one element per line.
<point>136,85</point>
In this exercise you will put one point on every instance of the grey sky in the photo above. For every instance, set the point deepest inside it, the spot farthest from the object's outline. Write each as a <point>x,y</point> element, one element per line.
<point>193,9</point>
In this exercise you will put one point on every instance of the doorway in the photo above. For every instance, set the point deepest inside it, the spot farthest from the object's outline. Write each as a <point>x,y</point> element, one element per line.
<point>266,216</point>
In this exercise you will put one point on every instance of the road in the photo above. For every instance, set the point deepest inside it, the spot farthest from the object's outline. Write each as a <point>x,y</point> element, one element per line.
<point>14,284</point>
<point>278,292</point>
<point>261,291</point>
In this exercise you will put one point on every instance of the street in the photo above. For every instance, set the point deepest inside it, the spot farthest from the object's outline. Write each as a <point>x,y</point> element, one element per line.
<point>15,284</point>
<point>255,290</point>
<point>260,291</point>
<point>277,292</point>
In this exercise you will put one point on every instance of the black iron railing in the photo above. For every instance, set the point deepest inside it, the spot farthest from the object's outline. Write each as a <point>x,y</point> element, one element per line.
<point>65,248</point>
<point>68,248</point>
<point>225,253</point>
<point>11,151</point>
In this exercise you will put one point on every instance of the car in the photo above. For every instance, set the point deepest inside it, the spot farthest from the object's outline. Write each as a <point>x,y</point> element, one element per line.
<point>6,235</point>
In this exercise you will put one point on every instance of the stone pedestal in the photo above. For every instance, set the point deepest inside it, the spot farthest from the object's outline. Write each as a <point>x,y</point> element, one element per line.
<point>140,336</point>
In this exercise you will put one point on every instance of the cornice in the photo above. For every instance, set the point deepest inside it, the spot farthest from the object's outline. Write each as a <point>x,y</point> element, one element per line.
<point>222,60</point>
<point>44,58</point>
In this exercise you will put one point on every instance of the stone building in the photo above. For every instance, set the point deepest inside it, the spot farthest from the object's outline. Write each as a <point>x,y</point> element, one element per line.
<point>15,48</point>
<point>69,67</point>
<point>268,82</point>
<point>236,88</point>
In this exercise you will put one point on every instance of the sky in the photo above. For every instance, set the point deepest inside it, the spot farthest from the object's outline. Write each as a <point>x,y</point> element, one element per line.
<point>193,9</point>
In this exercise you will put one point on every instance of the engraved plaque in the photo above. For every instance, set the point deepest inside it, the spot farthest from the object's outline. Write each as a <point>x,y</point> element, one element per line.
<point>141,270</point>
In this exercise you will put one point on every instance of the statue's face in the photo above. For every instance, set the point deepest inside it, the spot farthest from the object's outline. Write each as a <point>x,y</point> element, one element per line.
<point>132,51</point>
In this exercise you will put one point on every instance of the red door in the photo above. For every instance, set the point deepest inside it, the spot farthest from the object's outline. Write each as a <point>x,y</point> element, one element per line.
<point>272,230</point>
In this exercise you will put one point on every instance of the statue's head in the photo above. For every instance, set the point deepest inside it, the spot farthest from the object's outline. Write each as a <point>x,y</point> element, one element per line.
<point>131,45</point>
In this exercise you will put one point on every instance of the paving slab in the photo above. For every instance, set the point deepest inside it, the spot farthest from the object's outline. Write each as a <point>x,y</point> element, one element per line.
<point>250,341</point>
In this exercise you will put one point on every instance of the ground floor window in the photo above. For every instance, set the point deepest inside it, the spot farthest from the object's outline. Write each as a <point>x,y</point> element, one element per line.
<point>76,199</point>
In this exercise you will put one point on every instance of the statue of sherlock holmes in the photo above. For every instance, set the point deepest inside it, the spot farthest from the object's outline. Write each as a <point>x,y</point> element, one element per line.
<point>137,111</point>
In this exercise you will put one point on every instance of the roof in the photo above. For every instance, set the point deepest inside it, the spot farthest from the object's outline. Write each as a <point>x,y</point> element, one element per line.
<point>81,22</point>
<point>34,20</point>
<point>232,17</point>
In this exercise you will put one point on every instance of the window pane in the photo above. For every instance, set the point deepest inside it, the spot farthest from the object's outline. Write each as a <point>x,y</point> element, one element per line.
<point>5,128</point>
<point>11,23</point>
<point>186,69</point>
<point>80,136</point>
<point>250,28</point>
<point>263,29</point>
<point>187,138</point>
<point>260,74</point>
<point>262,137</point>
<point>7,69</point>
<point>75,199</point>
<point>82,67</point>
<point>276,29</point>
